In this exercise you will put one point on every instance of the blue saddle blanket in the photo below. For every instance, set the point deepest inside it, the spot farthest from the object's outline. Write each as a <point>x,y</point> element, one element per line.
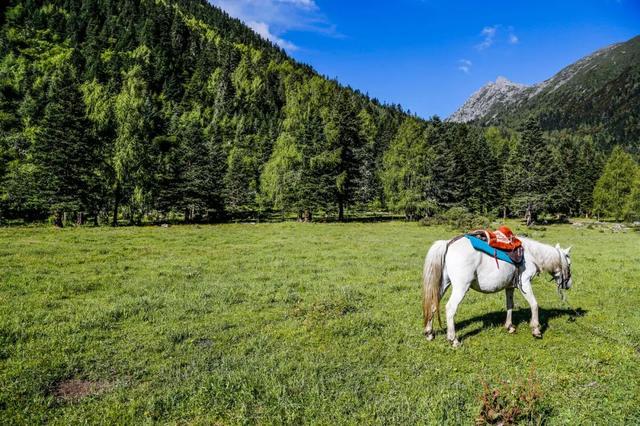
<point>484,247</point>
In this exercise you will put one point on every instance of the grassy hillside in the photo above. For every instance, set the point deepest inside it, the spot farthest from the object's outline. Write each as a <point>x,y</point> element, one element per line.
<point>291,323</point>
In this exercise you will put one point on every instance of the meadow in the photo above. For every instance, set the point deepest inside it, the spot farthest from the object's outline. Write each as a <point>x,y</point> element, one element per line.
<point>299,323</point>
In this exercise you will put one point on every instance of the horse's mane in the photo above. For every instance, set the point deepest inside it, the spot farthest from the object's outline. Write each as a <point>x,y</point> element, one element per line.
<point>543,255</point>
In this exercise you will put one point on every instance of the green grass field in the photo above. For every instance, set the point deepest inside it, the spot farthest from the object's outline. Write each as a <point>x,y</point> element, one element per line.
<point>297,323</point>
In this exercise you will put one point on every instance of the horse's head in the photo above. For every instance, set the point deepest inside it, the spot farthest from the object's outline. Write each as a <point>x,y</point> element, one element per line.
<point>562,273</point>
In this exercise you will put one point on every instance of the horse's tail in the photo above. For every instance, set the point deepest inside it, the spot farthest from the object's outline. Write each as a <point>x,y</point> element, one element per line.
<point>432,280</point>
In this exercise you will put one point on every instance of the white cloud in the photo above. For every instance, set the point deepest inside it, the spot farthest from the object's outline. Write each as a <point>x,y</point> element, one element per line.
<point>489,35</point>
<point>273,19</point>
<point>497,34</point>
<point>263,29</point>
<point>464,65</point>
<point>304,3</point>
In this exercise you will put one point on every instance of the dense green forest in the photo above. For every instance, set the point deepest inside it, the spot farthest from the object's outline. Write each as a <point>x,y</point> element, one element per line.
<point>155,110</point>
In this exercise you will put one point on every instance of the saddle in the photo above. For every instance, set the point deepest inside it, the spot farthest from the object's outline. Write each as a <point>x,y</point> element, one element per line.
<point>502,238</point>
<point>500,244</point>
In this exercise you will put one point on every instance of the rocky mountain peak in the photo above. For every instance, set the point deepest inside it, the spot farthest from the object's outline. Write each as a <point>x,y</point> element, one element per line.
<point>582,91</point>
<point>502,91</point>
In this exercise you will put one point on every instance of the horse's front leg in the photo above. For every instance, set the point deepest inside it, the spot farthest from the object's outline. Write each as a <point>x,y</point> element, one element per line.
<point>508,324</point>
<point>457,294</point>
<point>527,292</point>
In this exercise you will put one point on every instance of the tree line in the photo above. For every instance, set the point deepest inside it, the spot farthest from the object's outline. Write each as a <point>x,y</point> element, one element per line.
<point>170,110</point>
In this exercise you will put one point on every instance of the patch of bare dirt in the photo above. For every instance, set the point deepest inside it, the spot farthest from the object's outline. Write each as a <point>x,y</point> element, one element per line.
<point>75,389</point>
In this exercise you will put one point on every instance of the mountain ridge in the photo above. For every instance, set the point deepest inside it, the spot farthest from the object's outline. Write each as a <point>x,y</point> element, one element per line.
<point>600,90</point>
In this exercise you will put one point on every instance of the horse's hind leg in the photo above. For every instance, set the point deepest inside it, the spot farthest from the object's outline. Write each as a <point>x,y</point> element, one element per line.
<point>508,324</point>
<point>527,292</point>
<point>428,330</point>
<point>457,294</point>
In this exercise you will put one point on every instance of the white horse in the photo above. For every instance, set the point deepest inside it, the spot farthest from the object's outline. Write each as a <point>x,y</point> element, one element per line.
<point>461,266</point>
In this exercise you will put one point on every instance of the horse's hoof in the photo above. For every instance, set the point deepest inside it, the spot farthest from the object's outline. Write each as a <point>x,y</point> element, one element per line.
<point>536,333</point>
<point>430,336</point>
<point>455,343</point>
<point>511,329</point>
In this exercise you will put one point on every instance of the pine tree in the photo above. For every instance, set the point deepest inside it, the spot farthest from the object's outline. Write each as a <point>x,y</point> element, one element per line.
<point>527,177</point>
<point>240,181</point>
<point>282,174</point>
<point>343,143</point>
<point>407,174</point>
<point>447,166</point>
<point>481,175</point>
<point>168,174</point>
<point>130,159</point>
<point>63,153</point>
<point>502,162</point>
<point>198,184</point>
<point>561,166</point>
<point>368,181</point>
<point>588,170</point>
<point>632,203</point>
<point>615,185</point>
<point>298,176</point>
<point>316,186</point>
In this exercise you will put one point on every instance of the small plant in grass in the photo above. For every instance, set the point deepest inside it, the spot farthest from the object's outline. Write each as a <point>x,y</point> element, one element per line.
<point>510,404</point>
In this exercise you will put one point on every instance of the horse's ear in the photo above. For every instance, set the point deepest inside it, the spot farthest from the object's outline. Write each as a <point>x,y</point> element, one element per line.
<point>567,250</point>
<point>558,246</point>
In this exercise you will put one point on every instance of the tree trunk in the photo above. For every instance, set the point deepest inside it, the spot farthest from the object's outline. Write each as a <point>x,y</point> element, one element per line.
<point>57,221</point>
<point>80,219</point>
<point>116,205</point>
<point>187,216</point>
<point>340,211</point>
<point>528,216</point>
<point>504,213</point>
<point>306,216</point>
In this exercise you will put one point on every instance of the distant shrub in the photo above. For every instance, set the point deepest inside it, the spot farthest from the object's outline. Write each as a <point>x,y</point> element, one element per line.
<point>459,218</point>
<point>510,404</point>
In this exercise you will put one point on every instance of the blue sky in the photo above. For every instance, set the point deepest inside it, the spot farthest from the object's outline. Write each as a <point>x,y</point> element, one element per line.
<point>428,55</point>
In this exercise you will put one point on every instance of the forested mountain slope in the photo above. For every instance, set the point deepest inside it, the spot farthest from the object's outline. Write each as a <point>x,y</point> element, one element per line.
<point>599,94</point>
<point>154,110</point>
<point>168,106</point>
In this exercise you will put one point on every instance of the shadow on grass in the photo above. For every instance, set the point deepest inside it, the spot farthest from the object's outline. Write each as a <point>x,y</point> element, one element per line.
<point>520,318</point>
